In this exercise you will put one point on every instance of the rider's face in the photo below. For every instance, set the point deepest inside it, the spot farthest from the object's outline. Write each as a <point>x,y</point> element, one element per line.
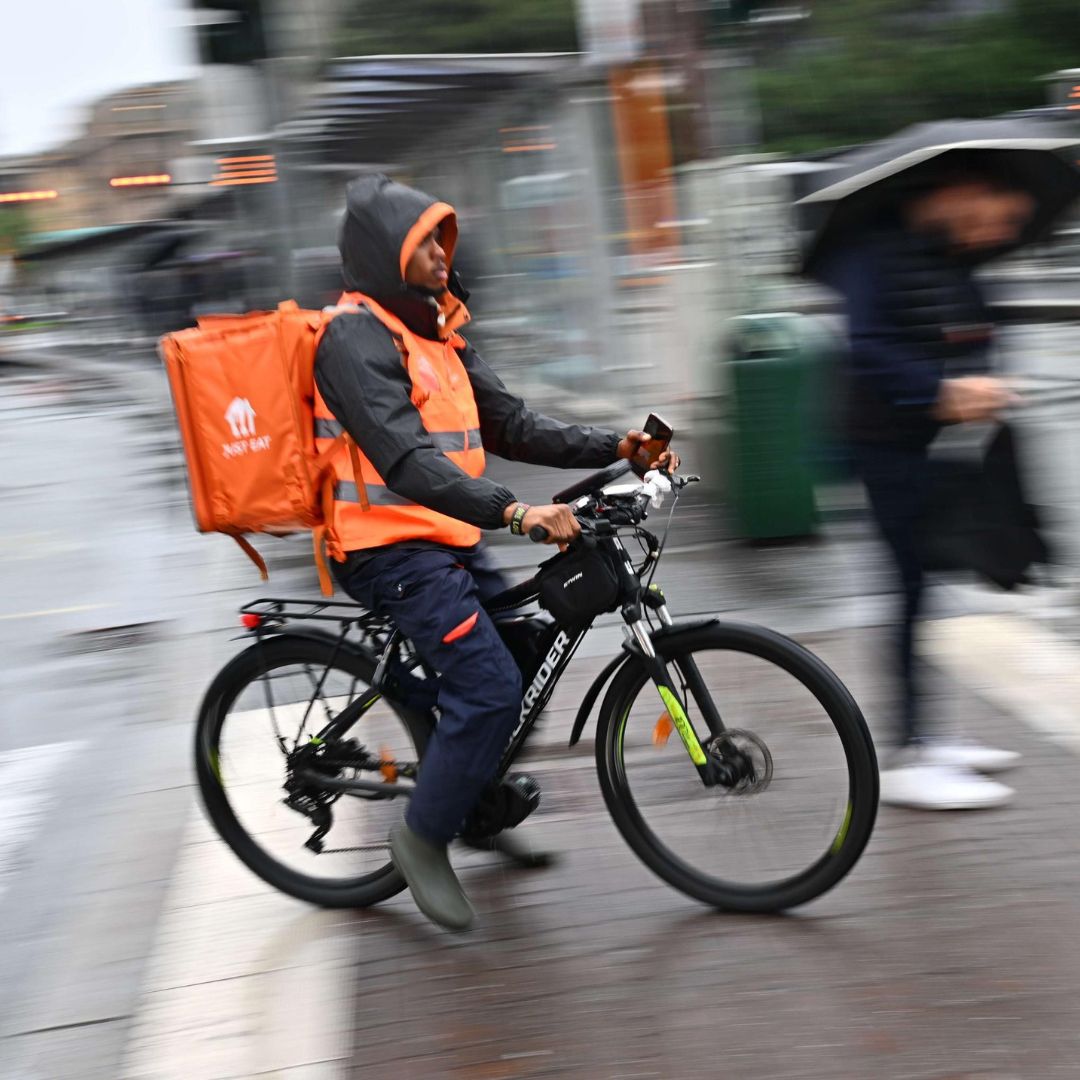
<point>427,269</point>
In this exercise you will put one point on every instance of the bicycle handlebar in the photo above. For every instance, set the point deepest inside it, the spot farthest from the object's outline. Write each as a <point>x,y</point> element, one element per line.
<point>657,484</point>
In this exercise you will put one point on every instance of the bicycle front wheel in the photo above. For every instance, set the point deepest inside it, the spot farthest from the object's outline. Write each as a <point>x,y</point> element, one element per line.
<point>795,825</point>
<point>313,843</point>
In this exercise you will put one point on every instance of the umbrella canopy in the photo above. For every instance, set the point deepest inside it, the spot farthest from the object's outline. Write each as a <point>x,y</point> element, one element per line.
<point>1038,156</point>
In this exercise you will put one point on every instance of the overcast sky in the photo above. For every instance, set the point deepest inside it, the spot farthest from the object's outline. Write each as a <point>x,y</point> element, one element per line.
<point>59,55</point>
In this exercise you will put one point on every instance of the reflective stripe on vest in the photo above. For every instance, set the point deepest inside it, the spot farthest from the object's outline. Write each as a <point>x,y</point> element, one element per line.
<point>447,441</point>
<point>378,494</point>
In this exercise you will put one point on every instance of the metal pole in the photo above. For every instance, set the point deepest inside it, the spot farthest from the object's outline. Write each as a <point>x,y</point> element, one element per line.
<point>284,230</point>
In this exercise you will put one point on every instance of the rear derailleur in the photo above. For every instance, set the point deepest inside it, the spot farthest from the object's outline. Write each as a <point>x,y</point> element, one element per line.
<point>330,760</point>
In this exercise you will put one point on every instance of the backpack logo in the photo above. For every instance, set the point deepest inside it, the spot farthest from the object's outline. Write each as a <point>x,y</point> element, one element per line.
<point>241,417</point>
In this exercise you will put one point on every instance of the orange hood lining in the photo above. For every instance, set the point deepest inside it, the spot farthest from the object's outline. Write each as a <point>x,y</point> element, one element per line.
<point>436,214</point>
<point>455,313</point>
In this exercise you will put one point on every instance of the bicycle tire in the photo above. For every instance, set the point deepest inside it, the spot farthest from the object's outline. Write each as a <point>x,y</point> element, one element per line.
<point>227,687</point>
<point>840,707</point>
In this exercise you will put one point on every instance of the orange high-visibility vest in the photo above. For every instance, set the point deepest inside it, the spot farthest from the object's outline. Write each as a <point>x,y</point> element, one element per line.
<point>367,514</point>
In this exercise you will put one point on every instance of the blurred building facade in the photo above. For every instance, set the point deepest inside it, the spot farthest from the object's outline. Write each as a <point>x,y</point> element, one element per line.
<point>564,169</point>
<point>586,233</point>
<point>115,171</point>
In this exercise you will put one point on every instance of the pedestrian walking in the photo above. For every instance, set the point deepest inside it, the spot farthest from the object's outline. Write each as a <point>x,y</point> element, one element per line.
<point>898,230</point>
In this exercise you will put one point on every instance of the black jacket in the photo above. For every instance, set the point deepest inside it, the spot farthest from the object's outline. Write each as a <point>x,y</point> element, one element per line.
<point>360,374</point>
<point>915,316</point>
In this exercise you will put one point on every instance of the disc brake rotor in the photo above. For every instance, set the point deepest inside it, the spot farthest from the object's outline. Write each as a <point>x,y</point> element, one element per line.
<point>748,753</point>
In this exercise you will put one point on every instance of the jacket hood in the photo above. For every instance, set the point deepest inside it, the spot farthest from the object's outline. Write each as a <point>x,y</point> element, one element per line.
<point>383,225</point>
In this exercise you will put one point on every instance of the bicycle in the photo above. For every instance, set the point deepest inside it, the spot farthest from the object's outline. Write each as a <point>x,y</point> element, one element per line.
<point>308,732</point>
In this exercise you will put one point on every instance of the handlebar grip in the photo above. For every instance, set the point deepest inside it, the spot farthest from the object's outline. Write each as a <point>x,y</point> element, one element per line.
<point>538,534</point>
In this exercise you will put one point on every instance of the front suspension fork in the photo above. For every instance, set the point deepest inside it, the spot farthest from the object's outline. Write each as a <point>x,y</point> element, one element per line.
<point>638,633</point>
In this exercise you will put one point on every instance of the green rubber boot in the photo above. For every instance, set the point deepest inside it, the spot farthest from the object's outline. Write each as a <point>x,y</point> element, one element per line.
<point>431,879</point>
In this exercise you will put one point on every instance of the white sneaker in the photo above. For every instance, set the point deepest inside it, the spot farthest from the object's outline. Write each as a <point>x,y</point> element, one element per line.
<point>924,786</point>
<point>969,755</point>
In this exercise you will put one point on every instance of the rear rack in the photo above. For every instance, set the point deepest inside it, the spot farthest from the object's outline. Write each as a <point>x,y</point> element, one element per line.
<point>377,633</point>
<point>345,613</point>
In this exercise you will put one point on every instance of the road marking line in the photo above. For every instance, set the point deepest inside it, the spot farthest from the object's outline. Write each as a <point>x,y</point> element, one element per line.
<point>52,611</point>
<point>1021,666</point>
<point>26,792</point>
<point>243,980</point>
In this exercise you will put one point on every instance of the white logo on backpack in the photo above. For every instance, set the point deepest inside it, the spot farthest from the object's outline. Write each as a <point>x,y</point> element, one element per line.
<point>241,419</point>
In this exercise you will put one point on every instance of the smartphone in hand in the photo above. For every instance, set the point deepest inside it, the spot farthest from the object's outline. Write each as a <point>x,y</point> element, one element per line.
<point>660,433</point>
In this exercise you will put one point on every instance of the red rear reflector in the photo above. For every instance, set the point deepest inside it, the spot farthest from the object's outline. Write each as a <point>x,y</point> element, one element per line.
<point>250,620</point>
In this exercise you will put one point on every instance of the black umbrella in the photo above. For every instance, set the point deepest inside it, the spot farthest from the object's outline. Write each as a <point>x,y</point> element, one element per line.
<point>1036,155</point>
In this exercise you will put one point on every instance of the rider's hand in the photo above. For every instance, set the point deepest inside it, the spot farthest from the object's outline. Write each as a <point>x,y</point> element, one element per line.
<point>634,446</point>
<point>557,518</point>
<point>669,460</point>
<point>974,397</point>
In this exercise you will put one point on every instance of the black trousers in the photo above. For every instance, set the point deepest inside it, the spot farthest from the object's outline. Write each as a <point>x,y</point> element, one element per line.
<point>897,480</point>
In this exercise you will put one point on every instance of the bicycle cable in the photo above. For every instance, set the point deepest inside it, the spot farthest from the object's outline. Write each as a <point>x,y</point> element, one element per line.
<point>663,539</point>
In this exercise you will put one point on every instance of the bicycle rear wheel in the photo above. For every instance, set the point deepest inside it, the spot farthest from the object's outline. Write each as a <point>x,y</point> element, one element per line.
<point>266,703</point>
<point>785,836</point>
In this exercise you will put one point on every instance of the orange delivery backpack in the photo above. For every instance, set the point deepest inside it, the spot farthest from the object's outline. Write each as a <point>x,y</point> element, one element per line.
<point>243,387</point>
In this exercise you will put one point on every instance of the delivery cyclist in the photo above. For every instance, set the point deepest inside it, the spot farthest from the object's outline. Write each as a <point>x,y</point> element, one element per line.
<point>423,408</point>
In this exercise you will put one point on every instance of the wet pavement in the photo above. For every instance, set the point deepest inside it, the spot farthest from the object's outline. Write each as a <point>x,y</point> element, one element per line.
<point>133,944</point>
<point>943,956</point>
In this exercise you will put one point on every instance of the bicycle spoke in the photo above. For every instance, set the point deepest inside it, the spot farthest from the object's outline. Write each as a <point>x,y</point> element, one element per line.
<point>273,719</point>
<point>318,685</point>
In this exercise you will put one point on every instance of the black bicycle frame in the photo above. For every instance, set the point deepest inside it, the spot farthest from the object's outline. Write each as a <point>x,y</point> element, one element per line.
<point>555,648</point>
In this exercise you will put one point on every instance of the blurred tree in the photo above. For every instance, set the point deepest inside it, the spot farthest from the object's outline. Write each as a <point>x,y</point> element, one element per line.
<point>14,229</point>
<point>422,26</point>
<point>863,68</point>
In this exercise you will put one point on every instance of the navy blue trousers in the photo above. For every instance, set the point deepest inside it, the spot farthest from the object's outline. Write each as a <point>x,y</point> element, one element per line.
<point>434,597</point>
<point>896,480</point>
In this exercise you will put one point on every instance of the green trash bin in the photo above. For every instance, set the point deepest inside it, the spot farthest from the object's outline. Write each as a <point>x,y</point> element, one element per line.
<point>777,367</point>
